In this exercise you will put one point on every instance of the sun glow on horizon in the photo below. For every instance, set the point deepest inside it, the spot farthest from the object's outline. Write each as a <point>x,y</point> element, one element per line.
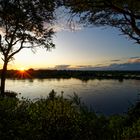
<point>22,73</point>
<point>22,69</point>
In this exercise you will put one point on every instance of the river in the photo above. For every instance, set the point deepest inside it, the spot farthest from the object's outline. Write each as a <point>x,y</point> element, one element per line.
<point>104,96</point>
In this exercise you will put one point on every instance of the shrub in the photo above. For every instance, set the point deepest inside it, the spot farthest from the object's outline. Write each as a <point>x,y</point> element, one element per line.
<point>57,118</point>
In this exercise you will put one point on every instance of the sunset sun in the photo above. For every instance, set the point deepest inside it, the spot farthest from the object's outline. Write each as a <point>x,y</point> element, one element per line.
<point>22,73</point>
<point>21,69</point>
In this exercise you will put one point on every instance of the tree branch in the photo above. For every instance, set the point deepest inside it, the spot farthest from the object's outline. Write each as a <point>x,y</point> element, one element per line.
<point>1,48</point>
<point>131,35</point>
<point>16,42</point>
<point>134,26</point>
<point>132,19</point>
<point>13,53</point>
<point>12,38</point>
<point>6,39</point>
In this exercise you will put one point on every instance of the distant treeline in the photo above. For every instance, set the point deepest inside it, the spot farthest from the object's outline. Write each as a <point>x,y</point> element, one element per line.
<point>83,75</point>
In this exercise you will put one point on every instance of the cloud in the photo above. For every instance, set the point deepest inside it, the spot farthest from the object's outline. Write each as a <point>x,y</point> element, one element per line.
<point>64,22</point>
<point>115,60</point>
<point>134,57</point>
<point>134,60</point>
<point>82,67</point>
<point>99,65</point>
<point>62,67</point>
<point>123,66</point>
<point>62,26</point>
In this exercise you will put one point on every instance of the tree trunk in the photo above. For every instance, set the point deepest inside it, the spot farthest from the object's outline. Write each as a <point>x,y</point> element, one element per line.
<point>3,77</point>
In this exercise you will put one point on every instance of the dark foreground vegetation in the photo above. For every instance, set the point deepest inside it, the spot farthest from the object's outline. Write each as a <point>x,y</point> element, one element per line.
<point>57,118</point>
<point>83,75</point>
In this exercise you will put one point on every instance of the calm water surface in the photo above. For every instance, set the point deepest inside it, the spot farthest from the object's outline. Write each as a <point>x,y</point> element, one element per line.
<point>105,96</point>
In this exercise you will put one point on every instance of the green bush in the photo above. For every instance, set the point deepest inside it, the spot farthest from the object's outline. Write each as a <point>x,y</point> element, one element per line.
<point>57,118</point>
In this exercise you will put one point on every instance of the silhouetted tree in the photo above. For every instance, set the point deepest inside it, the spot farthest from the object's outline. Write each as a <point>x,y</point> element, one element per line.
<point>122,14</point>
<point>24,24</point>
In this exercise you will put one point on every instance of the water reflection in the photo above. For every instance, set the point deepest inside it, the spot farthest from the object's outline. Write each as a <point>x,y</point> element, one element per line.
<point>106,96</point>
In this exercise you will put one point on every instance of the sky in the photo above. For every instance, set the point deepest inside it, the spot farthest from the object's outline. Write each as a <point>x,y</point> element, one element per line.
<point>83,49</point>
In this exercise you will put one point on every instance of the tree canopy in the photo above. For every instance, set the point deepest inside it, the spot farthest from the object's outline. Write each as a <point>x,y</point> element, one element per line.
<point>24,24</point>
<point>124,15</point>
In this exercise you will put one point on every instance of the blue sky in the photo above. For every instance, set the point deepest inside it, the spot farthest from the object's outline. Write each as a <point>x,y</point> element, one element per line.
<point>85,48</point>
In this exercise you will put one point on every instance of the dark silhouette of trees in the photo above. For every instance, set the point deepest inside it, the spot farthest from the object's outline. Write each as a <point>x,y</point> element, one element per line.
<point>124,15</point>
<point>59,118</point>
<point>24,24</point>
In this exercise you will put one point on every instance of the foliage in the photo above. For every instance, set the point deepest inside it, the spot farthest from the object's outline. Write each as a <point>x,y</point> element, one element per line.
<point>124,15</point>
<point>24,24</point>
<point>57,118</point>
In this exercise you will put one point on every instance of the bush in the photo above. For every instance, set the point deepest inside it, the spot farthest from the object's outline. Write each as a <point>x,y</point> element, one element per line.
<point>57,118</point>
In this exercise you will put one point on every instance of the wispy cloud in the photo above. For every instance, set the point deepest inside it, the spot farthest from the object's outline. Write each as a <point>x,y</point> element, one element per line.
<point>134,57</point>
<point>124,66</point>
<point>64,21</point>
<point>132,63</point>
<point>62,67</point>
<point>63,26</point>
<point>115,60</point>
<point>134,60</point>
<point>114,66</point>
